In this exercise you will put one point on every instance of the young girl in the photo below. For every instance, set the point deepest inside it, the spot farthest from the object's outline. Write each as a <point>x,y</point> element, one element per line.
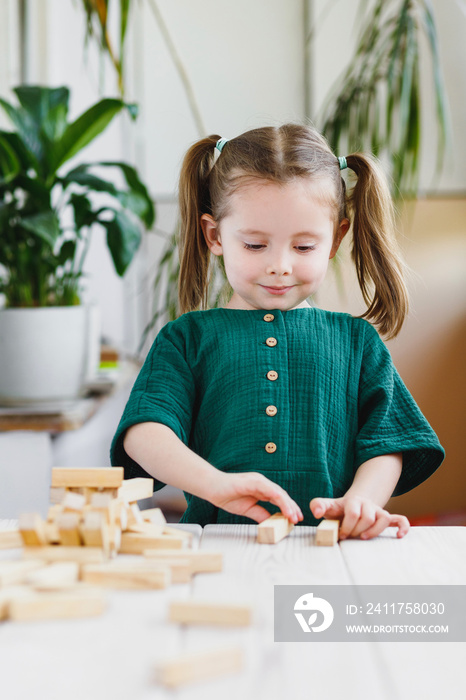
<point>270,403</point>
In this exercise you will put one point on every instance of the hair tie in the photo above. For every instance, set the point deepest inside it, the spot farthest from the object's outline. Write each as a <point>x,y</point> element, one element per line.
<point>220,144</point>
<point>342,162</point>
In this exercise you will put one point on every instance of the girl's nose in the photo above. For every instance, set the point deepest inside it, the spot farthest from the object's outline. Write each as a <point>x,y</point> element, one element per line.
<point>280,265</point>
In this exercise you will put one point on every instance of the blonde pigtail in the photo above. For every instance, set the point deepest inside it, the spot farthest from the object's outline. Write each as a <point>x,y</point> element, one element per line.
<point>375,252</point>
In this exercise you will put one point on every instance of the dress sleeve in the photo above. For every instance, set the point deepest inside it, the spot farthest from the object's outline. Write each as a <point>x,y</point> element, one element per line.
<point>164,392</point>
<point>389,420</point>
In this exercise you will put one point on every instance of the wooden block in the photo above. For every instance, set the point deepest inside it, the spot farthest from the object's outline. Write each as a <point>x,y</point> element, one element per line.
<point>327,533</point>
<point>7,594</point>
<point>63,604</point>
<point>15,571</point>
<point>94,477</point>
<point>101,500</point>
<point>114,538</point>
<point>73,502</point>
<point>54,576</point>
<point>57,494</point>
<point>52,533</point>
<point>146,528</point>
<point>192,667</point>
<point>136,543</point>
<point>126,575</point>
<point>200,561</point>
<point>135,489</point>
<point>68,527</point>
<point>53,511</point>
<point>95,531</point>
<point>154,515</point>
<point>133,515</point>
<point>205,613</point>
<point>274,529</point>
<point>82,555</point>
<point>117,513</point>
<point>10,539</point>
<point>32,529</point>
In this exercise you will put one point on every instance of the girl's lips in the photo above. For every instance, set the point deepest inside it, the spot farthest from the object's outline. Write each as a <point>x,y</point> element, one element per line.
<point>276,290</point>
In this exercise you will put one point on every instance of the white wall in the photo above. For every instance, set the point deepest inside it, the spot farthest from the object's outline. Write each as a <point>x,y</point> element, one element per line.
<point>245,63</point>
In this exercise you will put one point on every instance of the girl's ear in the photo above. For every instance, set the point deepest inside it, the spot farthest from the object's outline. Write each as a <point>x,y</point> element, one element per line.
<point>211,234</point>
<point>340,234</point>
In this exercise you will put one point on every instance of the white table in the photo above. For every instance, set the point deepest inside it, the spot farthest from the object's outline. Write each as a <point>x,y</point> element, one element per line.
<point>112,656</point>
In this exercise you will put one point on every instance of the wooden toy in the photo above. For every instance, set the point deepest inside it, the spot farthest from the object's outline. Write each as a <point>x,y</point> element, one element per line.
<point>142,575</point>
<point>31,527</point>
<point>63,604</point>
<point>136,489</point>
<point>274,529</point>
<point>208,613</point>
<point>327,533</point>
<point>197,666</point>
<point>93,477</point>
<point>200,561</point>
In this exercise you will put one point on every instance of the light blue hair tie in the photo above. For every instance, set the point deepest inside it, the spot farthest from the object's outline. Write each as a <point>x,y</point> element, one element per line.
<point>220,144</point>
<point>342,162</point>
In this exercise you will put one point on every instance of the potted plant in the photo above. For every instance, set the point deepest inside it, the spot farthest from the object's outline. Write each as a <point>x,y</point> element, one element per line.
<point>47,214</point>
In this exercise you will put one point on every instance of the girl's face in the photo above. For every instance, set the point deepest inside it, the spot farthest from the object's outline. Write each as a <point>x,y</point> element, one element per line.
<point>276,244</point>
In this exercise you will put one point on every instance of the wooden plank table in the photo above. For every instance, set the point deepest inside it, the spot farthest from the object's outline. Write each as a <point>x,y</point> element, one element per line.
<point>113,656</point>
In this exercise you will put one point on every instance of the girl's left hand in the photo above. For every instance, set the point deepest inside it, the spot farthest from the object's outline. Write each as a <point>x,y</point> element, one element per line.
<point>359,517</point>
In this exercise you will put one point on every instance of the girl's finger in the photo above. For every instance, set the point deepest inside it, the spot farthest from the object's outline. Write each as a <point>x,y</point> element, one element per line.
<point>321,506</point>
<point>402,522</point>
<point>279,497</point>
<point>351,517</point>
<point>367,519</point>
<point>257,513</point>
<point>386,521</point>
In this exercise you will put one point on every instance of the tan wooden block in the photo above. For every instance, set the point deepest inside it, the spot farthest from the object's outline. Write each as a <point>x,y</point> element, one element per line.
<point>53,511</point>
<point>73,502</point>
<point>327,533</point>
<point>194,612</point>
<point>52,533</point>
<point>136,543</point>
<point>133,515</point>
<point>94,531</point>
<point>15,571</point>
<point>10,539</point>
<point>135,489</point>
<point>68,527</point>
<point>126,575</point>
<point>54,577</point>
<point>57,494</point>
<point>82,555</point>
<point>154,515</point>
<point>146,528</point>
<point>114,538</point>
<point>118,513</point>
<point>101,500</point>
<point>6,596</point>
<point>274,529</point>
<point>31,527</point>
<point>62,604</point>
<point>198,666</point>
<point>93,477</point>
<point>200,561</point>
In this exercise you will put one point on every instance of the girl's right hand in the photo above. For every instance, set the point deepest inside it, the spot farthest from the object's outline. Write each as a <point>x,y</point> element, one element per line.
<point>239,493</point>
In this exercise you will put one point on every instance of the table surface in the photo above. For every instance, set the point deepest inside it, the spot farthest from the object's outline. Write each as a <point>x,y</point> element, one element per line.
<point>113,656</point>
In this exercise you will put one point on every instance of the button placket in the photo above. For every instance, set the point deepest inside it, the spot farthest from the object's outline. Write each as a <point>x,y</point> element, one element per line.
<point>272,375</point>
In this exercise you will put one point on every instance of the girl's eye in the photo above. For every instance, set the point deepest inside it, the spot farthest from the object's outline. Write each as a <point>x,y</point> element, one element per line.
<point>253,246</point>
<point>305,248</point>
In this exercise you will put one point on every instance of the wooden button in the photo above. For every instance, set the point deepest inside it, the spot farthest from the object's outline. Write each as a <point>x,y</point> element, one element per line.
<point>271,342</point>
<point>272,375</point>
<point>270,447</point>
<point>271,410</point>
<point>269,317</point>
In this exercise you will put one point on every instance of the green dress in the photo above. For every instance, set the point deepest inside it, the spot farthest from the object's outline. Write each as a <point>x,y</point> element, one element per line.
<point>302,396</point>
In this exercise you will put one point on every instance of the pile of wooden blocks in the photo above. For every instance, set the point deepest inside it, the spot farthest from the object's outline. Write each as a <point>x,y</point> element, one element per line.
<point>67,559</point>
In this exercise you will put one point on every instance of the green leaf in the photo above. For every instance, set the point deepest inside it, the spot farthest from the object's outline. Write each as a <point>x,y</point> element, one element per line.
<point>47,107</point>
<point>44,225</point>
<point>123,240</point>
<point>9,162</point>
<point>26,131</point>
<point>82,131</point>
<point>83,213</point>
<point>134,183</point>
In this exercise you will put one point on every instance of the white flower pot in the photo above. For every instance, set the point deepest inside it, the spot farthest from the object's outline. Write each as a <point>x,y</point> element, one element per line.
<point>45,353</point>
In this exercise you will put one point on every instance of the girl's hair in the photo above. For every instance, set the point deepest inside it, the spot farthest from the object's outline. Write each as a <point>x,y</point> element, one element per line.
<point>280,155</point>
